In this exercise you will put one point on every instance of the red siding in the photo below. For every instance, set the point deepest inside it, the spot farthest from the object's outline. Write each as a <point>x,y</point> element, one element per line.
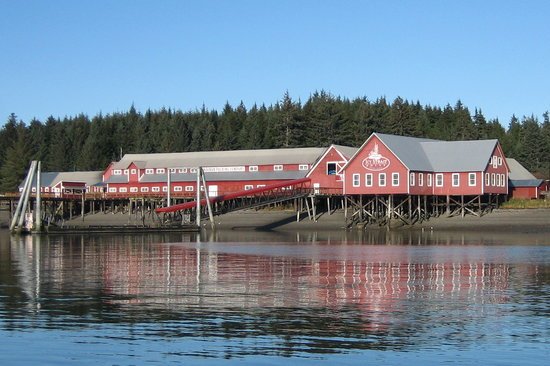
<point>501,169</point>
<point>328,184</point>
<point>376,159</point>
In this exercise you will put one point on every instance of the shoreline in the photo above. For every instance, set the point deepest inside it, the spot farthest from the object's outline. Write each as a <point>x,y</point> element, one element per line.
<point>500,220</point>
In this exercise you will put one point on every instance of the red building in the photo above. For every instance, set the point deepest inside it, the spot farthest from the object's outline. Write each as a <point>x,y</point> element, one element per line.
<point>389,164</point>
<point>523,184</point>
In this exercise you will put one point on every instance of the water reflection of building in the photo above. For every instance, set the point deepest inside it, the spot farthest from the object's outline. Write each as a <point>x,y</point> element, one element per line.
<point>129,270</point>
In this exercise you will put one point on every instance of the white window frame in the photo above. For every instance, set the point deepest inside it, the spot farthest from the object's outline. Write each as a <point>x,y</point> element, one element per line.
<point>155,189</point>
<point>182,170</point>
<point>455,180</point>
<point>499,161</point>
<point>161,171</point>
<point>327,171</point>
<point>503,180</point>
<point>382,179</point>
<point>172,170</point>
<point>493,179</point>
<point>123,190</point>
<point>395,179</point>
<point>149,171</point>
<point>439,181</point>
<point>133,189</point>
<point>144,189</point>
<point>420,179</point>
<point>472,179</point>
<point>277,168</point>
<point>253,168</point>
<point>356,179</point>
<point>429,180</point>
<point>411,178</point>
<point>495,161</point>
<point>193,170</point>
<point>368,179</point>
<point>178,188</point>
<point>487,179</point>
<point>248,187</point>
<point>112,189</point>
<point>126,171</point>
<point>303,167</point>
<point>189,188</point>
<point>165,189</point>
<point>133,171</point>
<point>117,172</point>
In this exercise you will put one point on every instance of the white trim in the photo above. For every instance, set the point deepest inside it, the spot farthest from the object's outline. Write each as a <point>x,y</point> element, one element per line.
<point>144,189</point>
<point>470,175</point>
<point>133,189</point>
<point>437,176</point>
<point>303,167</point>
<point>356,179</point>
<point>189,188</point>
<point>368,177</point>
<point>385,181</point>
<point>421,179</point>
<point>323,156</point>
<point>393,179</point>
<point>412,180</point>
<point>155,189</point>
<point>178,188</point>
<point>278,168</point>
<point>253,168</point>
<point>457,176</point>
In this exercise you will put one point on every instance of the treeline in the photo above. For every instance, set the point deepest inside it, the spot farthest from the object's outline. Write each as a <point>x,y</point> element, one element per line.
<point>84,143</point>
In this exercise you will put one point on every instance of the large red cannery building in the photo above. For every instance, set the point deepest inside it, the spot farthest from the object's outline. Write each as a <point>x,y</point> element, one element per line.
<point>389,164</point>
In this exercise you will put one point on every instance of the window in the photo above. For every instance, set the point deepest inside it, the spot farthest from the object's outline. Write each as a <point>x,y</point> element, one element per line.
<point>499,161</point>
<point>144,189</point>
<point>178,188</point>
<point>123,190</point>
<point>112,189</point>
<point>126,171</point>
<point>472,179</point>
<point>395,179</point>
<point>182,170</point>
<point>248,186</point>
<point>193,170</point>
<point>172,170</point>
<point>165,189</point>
<point>487,177</point>
<point>155,189</point>
<point>503,180</point>
<point>439,180</point>
<point>149,171</point>
<point>331,168</point>
<point>382,179</point>
<point>356,180</point>
<point>420,179</point>
<point>493,179</point>
<point>47,189</point>
<point>189,188</point>
<point>253,168</point>
<point>133,189</point>
<point>133,171</point>
<point>412,179</point>
<point>429,179</point>
<point>117,172</point>
<point>260,185</point>
<point>277,168</point>
<point>303,167</point>
<point>456,179</point>
<point>161,171</point>
<point>495,162</point>
<point>368,179</point>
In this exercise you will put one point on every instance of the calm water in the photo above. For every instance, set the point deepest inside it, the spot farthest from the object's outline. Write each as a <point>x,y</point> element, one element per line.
<point>254,298</point>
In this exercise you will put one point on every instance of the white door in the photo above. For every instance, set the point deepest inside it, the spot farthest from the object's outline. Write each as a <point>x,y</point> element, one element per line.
<point>212,191</point>
<point>316,188</point>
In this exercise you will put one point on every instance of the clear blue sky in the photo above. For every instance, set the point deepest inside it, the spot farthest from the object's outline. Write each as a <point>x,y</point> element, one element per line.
<point>67,57</point>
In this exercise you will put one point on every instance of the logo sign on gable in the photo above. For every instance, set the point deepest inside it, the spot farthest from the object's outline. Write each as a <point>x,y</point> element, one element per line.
<point>375,161</point>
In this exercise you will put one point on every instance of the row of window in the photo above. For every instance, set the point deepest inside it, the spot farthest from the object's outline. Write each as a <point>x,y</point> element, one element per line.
<point>491,179</point>
<point>165,189</point>
<point>251,168</point>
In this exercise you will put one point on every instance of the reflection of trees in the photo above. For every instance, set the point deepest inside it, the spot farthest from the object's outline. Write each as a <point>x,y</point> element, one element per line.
<point>338,297</point>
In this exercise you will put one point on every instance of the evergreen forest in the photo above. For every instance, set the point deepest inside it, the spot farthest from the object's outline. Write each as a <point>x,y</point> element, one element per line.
<point>83,143</point>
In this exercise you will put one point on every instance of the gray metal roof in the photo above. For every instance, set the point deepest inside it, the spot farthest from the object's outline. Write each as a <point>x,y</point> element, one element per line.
<point>217,177</point>
<point>409,150</point>
<point>117,179</point>
<point>459,156</point>
<point>518,171</point>
<point>50,179</point>
<point>442,156</point>
<point>525,182</point>
<point>347,151</point>
<point>305,155</point>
